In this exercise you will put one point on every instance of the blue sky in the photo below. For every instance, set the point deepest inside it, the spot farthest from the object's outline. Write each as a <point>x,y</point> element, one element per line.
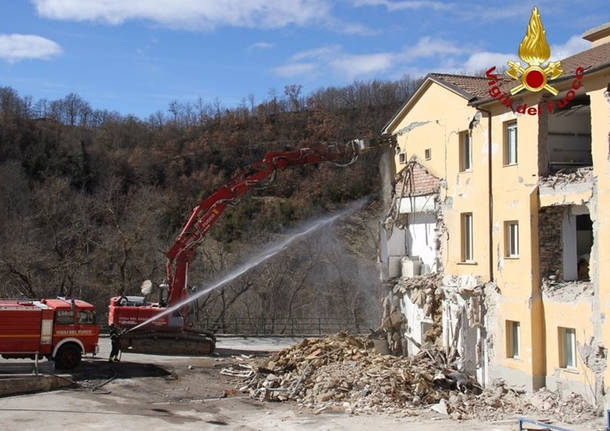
<point>135,56</point>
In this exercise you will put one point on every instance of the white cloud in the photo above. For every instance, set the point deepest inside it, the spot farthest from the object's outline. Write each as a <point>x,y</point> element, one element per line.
<point>429,47</point>
<point>192,14</point>
<point>354,66</point>
<point>481,61</point>
<point>402,5</point>
<point>16,47</point>
<point>295,69</point>
<point>484,60</point>
<point>351,27</point>
<point>259,46</point>
<point>324,52</point>
<point>572,46</point>
<point>439,55</point>
<point>333,59</point>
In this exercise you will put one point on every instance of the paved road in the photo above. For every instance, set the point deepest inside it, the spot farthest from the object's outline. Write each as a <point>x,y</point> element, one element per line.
<point>225,346</point>
<point>187,399</point>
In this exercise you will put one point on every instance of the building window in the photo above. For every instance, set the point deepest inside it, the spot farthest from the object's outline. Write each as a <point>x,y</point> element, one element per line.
<point>402,157</point>
<point>465,152</point>
<point>513,339</point>
<point>428,153</point>
<point>511,238</point>
<point>510,143</point>
<point>467,240</point>
<point>567,347</point>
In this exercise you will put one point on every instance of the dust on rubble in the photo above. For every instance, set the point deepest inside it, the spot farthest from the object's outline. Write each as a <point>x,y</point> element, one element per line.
<point>568,176</point>
<point>344,372</point>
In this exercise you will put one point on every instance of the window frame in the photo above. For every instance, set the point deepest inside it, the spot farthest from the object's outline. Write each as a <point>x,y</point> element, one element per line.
<point>567,336</point>
<point>508,127</point>
<point>465,156</point>
<point>511,241</point>
<point>513,339</point>
<point>428,153</point>
<point>467,237</point>
<point>402,158</point>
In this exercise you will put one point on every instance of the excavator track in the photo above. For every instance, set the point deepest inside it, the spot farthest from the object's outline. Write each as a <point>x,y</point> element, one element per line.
<point>169,343</point>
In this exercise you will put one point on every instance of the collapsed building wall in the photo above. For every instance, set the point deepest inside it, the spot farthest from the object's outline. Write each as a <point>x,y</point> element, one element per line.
<point>463,325</point>
<point>410,261</point>
<point>569,256</point>
<point>423,307</point>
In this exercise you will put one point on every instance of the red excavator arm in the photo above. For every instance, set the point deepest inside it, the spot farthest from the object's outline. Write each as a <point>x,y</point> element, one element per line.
<point>204,215</point>
<point>171,333</point>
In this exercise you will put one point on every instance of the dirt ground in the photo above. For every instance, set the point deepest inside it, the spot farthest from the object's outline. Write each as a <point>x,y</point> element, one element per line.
<point>150,392</point>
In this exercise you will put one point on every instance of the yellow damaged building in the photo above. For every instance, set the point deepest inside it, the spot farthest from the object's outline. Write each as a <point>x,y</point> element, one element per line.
<point>499,230</point>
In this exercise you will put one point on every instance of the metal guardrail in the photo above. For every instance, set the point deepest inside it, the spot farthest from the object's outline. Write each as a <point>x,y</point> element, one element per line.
<point>284,326</point>
<point>541,424</point>
<point>288,327</point>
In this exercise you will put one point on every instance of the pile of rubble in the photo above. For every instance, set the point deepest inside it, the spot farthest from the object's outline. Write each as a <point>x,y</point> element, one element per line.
<point>568,176</point>
<point>426,292</point>
<point>344,372</point>
<point>556,288</point>
<point>499,401</point>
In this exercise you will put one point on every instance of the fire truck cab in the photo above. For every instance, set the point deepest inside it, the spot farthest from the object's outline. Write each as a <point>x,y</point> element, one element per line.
<point>59,329</point>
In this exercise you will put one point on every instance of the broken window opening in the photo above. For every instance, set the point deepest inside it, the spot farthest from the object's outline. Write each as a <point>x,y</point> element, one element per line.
<point>584,243</point>
<point>569,135</point>
<point>565,242</point>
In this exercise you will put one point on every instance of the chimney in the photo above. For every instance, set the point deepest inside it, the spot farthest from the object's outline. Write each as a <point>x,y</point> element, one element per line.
<point>598,35</point>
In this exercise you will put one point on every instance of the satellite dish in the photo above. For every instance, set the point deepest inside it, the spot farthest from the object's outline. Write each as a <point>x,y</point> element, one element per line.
<point>146,287</point>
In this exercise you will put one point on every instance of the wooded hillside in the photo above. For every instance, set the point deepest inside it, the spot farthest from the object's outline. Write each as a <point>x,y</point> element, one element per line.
<point>90,200</point>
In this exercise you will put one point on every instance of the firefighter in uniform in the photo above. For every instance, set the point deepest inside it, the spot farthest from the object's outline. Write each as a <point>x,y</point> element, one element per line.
<point>114,339</point>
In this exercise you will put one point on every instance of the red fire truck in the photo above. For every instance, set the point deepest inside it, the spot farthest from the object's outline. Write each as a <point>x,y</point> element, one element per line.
<point>58,329</point>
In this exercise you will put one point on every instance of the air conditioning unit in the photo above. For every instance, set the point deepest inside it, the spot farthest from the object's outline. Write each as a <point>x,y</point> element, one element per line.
<point>394,267</point>
<point>411,266</point>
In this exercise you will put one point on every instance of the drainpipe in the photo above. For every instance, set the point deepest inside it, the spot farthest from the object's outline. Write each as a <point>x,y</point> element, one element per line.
<point>490,199</point>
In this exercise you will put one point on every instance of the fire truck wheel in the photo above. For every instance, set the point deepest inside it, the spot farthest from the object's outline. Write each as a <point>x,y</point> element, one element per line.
<point>68,356</point>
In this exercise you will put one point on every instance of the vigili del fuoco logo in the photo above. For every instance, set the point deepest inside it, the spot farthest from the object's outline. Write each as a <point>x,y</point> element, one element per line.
<point>534,51</point>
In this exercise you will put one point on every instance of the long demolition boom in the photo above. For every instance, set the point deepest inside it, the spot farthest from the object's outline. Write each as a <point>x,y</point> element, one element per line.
<point>260,173</point>
<point>171,334</point>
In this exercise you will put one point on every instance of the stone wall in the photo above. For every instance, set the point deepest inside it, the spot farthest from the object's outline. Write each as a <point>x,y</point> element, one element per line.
<point>551,248</point>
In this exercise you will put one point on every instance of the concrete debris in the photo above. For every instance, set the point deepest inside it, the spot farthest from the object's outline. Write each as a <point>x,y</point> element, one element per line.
<point>345,369</point>
<point>595,357</point>
<point>566,291</point>
<point>441,407</point>
<point>568,176</point>
<point>426,292</point>
<point>344,372</point>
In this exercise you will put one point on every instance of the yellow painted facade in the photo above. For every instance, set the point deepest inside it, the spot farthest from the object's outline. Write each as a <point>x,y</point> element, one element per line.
<point>441,114</point>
